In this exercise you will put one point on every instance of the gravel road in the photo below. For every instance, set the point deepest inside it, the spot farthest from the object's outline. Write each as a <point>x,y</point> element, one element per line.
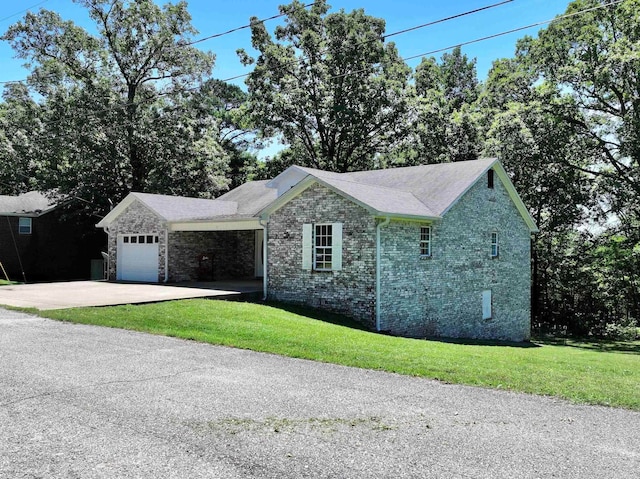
<point>90,402</point>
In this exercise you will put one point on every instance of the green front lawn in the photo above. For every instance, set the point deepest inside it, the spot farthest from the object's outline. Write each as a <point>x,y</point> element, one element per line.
<point>594,373</point>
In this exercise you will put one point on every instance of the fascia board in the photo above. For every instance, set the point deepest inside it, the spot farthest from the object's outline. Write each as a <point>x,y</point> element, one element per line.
<point>310,180</point>
<point>220,225</point>
<point>511,191</point>
<point>418,219</point>
<point>515,197</point>
<point>121,207</point>
<point>116,211</point>
<point>283,199</point>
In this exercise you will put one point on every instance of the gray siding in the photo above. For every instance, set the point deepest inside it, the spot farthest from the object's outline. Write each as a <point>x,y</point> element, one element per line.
<point>350,291</point>
<point>442,295</point>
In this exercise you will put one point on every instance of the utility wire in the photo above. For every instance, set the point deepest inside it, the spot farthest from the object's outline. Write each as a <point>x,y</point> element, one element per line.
<point>22,11</point>
<point>560,17</point>
<point>180,45</point>
<point>411,29</point>
<point>489,37</point>
<point>442,20</point>
<point>233,30</point>
<point>424,25</point>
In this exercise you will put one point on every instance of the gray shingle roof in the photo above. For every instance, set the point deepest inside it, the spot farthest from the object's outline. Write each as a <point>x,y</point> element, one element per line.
<point>425,191</point>
<point>32,203</point>
<point>437,186</point>
<point>251,197</point>
<point>381,198</point>
<point>179,208</point>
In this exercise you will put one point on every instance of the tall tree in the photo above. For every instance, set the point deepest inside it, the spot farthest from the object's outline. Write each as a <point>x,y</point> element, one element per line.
<point>329,85</point>
<point>109,94</point>
<point>593,58</point>
<point>20,126</point>
<point>442,124</point>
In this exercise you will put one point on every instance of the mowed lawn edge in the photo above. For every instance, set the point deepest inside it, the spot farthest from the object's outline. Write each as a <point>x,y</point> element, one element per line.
<point>576,372</point>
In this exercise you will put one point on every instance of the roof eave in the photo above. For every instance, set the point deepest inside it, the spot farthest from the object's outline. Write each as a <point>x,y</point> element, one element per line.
<point>402,216</point>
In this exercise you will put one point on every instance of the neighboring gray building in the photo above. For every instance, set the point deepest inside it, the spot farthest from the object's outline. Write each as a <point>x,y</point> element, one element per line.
<point>431,250</point>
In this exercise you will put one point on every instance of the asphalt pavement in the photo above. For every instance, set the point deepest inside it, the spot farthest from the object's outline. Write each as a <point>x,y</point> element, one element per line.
<point>90,402</point>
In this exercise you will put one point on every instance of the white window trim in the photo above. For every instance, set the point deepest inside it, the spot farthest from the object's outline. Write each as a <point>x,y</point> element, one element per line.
<point>496,244</point>
<point>316,247</point>
<point>20,226</point>
<point>309,247</point>
<point>427,242</point>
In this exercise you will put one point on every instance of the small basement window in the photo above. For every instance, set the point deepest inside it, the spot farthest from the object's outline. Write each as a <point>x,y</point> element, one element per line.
<point>24,226</point>
<point>425,241</point>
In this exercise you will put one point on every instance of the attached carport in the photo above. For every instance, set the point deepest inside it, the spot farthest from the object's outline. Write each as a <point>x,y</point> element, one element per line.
<point>168,239</point>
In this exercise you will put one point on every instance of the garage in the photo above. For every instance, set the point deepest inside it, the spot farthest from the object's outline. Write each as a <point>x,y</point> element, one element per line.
<point>138,257</point>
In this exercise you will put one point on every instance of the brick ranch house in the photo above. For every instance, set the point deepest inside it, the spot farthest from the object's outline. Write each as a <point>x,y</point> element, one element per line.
<point>431,250</point>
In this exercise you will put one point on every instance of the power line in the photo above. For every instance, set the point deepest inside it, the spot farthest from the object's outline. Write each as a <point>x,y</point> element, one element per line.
<point>233,30</point>
<point>181,45</point>
<point>507,32</point>
<point>22,11</point>
<point>406,30</point>
<point>489,37</point>
<point>442,20</point>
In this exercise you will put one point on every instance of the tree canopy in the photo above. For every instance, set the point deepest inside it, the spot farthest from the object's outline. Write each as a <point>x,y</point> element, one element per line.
<point>329,85</point>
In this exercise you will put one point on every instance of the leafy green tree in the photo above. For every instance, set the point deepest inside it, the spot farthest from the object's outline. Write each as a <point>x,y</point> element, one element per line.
<point>116,107</point>
<point>533,146</point>
<point>19,129</point>
<point>443,119</point>
<point>329,85</point>
<point>592,58</point>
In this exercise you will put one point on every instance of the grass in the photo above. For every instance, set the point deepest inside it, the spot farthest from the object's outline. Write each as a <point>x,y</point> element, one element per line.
<point>4,282</point>
<point>591,373</point>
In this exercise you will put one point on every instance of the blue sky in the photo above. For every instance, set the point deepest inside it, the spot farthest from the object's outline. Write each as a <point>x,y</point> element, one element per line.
<point>212,16</point>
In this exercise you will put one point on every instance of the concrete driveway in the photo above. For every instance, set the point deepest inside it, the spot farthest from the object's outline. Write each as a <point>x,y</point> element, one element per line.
<point>75,294</point>
<point>89,402</point>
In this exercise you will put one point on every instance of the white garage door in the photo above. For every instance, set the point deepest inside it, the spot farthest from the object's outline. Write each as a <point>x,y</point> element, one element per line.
<point>138,258</point>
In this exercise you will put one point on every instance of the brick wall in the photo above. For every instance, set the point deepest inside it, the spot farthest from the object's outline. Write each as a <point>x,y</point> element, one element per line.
<point>436,296</point>
<point>350,291</point>
<point>231,253</point>
<point>137,218</point>
<point>442,295</point>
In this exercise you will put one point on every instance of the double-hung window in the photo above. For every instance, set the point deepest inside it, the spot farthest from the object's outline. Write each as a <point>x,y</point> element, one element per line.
<point>425,241</point>
<point>322,246</point>
<point>24,226</point>
<point>494,245</point>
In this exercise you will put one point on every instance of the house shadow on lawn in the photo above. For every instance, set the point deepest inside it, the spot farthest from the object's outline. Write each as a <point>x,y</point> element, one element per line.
<point>319,314</point>
<point>340,320</point>
<point>486,342</point>
<point>590,344</point>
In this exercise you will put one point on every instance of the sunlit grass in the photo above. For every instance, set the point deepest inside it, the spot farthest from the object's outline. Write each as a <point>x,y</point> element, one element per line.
<point>593,373</point>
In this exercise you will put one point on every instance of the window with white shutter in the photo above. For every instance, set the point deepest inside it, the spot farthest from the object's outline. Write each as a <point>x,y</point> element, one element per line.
<point>322,246</point>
